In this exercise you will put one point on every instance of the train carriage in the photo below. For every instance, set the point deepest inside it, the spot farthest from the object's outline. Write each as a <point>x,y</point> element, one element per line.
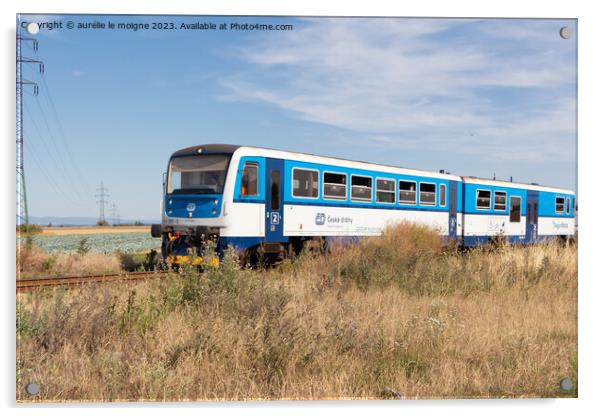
<point>276,202</point>
<point>522,213</point>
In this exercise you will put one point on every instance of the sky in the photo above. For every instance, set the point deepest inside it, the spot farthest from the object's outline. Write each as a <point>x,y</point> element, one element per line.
<point>473,97</point>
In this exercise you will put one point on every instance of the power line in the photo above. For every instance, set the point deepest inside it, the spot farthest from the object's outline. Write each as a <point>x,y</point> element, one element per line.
<point>61,130</point>
<point>38,159</point>
<point>52,137</point>
<point>49,152</point>
<point>70,161</point>
<point>54,185</point>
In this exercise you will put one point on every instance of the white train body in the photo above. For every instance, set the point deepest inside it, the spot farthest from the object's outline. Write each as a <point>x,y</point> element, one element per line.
<point>250,197</point>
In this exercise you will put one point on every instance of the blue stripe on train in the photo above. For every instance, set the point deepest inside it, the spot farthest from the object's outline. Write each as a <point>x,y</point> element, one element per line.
<point>478,240</point>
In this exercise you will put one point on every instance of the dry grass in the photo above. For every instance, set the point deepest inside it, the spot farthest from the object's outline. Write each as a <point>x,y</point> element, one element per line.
<point>389,316</point>
<point>33,261</point>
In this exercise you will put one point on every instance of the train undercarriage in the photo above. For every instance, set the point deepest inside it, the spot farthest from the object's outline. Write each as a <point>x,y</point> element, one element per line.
<point>203,245</point>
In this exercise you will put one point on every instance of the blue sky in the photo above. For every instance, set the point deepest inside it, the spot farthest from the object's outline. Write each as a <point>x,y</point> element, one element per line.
<point>474,97</point>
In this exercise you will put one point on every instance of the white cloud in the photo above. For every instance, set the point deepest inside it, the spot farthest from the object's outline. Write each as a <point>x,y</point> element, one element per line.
<point>441,82</point>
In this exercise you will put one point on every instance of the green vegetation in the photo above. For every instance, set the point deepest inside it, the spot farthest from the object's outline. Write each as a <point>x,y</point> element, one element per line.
<point>393,316</point>
<point>127,242</point>
<point>83,246</point>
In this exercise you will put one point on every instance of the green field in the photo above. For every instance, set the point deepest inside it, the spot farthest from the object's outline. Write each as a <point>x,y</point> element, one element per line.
<point>100,243</point>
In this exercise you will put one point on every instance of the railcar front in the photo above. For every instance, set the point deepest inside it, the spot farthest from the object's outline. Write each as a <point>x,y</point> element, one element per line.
<point>193,202</point>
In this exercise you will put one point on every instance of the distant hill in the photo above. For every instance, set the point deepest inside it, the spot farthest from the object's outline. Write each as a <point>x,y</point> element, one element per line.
<point>79,221</point>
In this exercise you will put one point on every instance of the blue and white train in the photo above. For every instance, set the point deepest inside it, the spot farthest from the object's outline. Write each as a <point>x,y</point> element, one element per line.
<point>275,202</point>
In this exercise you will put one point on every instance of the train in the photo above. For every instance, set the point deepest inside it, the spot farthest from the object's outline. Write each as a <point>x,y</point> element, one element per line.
<point>270,204</point>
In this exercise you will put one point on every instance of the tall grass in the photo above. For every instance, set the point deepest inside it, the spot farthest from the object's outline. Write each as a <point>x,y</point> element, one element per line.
<point>33,261</point>
<point>397,316</point>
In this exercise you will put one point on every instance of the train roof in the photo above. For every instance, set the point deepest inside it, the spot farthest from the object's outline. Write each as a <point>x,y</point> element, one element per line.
<point>207,149</point>
<point>521,185</point>
<point>265,151</point>
<point>336,161</point>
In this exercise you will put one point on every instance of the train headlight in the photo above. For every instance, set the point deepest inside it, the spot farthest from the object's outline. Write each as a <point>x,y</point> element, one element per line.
<point>214,211</point>
<point>215,201</point>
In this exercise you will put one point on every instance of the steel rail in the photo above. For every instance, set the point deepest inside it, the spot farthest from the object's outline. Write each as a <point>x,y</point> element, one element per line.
<point>24,285</point>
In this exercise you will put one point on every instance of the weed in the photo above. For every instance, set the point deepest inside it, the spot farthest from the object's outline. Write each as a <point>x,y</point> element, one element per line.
<point>83,247</point>
<point>396,317</point>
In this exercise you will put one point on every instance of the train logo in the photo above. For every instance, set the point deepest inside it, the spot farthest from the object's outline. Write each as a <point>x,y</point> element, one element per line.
<point>320,218</point>
<point>191,207</point>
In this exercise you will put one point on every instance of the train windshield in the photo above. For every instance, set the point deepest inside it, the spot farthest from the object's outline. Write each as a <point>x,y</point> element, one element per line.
<point>202,174</point>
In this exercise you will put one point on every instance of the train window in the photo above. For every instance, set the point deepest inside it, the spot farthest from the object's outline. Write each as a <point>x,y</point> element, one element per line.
<point>483,199</point>
<point>514,209</point>
<point>305,183</point>
<point>559,205</point>
<point>361,188</point>
<point>407,192</point>
<point>574,205</point>
<point>334,185</point>
<point>385,191</point>
<point>204,174</point>
<point>568,205</point>
<point>248,186</point>
<point>499,201</point>
<point>428,193</point>
<point>442,189</point>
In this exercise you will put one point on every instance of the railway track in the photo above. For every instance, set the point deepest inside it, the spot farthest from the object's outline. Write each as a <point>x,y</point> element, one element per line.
<point>26,285</point>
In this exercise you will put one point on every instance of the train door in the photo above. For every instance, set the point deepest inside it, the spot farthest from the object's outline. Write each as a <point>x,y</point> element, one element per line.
<point>532,216</point>
<point>453,209</point>
<point>273,200</point>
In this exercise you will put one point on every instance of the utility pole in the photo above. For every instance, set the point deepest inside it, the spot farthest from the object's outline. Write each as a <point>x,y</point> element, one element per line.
<point>22,211</point>
<point>102,201</point>
<point>115,214</point>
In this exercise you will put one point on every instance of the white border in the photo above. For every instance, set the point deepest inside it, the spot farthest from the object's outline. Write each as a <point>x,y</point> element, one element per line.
<point>590,66</point>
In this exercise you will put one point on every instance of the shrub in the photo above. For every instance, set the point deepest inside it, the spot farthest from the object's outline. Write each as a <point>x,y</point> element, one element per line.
<point>83,247</point>
<point>390,257</point>
<point>29,229</point>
